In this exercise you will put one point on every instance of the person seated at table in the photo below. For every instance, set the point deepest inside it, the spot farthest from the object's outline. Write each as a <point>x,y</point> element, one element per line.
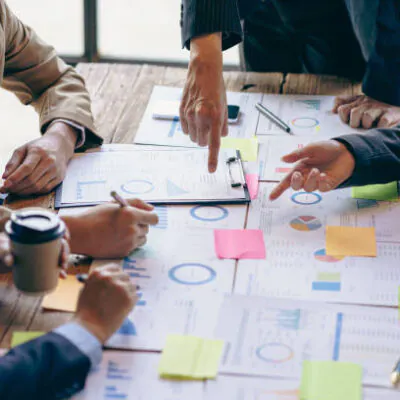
<point>56,365</point>
<point>357,39</point>
<point>31,69</point>
<point>106,231</point>
<point>348,160</point>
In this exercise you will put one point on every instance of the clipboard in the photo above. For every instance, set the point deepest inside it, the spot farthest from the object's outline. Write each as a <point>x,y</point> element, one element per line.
<point>232,170</point>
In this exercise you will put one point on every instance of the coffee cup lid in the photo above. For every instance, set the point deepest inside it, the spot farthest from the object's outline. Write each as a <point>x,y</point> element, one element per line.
<point>34,226</point>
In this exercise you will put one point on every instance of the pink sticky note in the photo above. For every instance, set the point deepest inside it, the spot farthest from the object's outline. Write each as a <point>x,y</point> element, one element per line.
<point>252,184</point>
<point>239,243</point>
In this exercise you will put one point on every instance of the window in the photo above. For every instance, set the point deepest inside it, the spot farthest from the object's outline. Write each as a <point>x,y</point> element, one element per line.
<point>121,30</point>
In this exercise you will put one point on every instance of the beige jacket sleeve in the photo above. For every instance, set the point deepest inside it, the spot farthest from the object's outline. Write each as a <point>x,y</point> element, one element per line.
<point>38,77</point>
<point>5,214</point>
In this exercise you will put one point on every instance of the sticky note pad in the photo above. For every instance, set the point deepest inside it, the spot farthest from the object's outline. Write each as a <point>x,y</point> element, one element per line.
<point>350,241</point>
<point>385,192</point>
<point>248,147</point>
<point>331,380</point>
<point>65,297</point>
<point>252,185</point>
<point>190,357</point>
<point>239,244</point>
<point>23,337</point>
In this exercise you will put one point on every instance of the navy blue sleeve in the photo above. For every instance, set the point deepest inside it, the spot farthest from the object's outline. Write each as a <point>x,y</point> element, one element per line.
<point>202,17</point>
<point>49,367</point>
<point>377,156</point>
<point>382,77</point>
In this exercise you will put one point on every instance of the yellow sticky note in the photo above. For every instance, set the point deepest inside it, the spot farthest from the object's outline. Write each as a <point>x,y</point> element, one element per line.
<point>23,337</point>
<point>65,297</point>
<point>350,241</point>
<point>385,192</point>
<point>190,357</point>
<point>331,380</point>
<point>248,147</point>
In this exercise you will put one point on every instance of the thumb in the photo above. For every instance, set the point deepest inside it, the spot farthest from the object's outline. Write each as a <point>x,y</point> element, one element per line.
<point>140,204</point>
<point>15,161</point>
<point>297,155</point>
<point>340,100</point>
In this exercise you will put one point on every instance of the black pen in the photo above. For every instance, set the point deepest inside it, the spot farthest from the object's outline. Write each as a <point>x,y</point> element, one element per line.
<point>273,118</point>
<point>82,278</point>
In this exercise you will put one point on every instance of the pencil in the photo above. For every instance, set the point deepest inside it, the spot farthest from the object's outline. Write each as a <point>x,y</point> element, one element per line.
<point>122,202</point>
<point>273,118</point>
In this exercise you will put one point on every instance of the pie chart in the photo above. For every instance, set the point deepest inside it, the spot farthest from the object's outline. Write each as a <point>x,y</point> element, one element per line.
<point>321,255</point>
<point>305,223</point>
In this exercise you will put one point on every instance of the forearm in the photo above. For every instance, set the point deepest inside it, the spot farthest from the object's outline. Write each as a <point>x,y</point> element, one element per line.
<point>81,237</point>
<point>203,17</point>
<point>37,76</point>
<point>377,156</point>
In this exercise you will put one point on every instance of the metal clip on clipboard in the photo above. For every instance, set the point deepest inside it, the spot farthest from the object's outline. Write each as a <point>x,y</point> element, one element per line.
<point>236,162</point>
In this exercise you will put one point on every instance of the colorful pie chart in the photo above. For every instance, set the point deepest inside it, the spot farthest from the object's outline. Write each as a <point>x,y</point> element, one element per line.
<point>306,223</point>
<point>321,255</point>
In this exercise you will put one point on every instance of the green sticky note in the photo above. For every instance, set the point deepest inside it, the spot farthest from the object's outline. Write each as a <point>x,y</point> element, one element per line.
<point>331,380</point>
<point>385,192</point>
<point>248,147</point>
<point>190,357</point>
<point>23,337</point>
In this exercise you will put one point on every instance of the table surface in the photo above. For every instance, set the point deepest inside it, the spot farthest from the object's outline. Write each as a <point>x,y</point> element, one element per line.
<point>120,94</point>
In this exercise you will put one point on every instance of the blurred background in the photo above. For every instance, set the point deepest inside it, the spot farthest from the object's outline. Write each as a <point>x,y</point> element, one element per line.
<point>141,31</point>
<point>111,30</point>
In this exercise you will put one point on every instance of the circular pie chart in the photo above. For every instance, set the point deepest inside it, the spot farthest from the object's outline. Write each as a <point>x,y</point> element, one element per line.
<point>305,223</point>
<point>320,255</point>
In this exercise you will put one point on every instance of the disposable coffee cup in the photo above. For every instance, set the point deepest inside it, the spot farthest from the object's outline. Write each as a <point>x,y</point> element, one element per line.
<point>36,244</point>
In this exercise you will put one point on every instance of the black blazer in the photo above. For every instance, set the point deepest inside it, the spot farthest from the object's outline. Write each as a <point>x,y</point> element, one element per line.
<point>49,367</point>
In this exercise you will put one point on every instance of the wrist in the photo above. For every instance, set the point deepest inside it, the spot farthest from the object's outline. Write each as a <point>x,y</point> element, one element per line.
<point>78,234</point>
<point>95,329</point>
<point>207,48</point>
<point>66,135</point>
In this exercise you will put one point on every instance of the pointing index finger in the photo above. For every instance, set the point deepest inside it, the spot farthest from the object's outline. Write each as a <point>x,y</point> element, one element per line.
<point>214,144</point>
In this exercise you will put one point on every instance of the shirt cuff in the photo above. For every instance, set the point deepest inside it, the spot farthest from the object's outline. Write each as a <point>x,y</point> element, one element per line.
<point>83,340</point>
<point>81,131</point>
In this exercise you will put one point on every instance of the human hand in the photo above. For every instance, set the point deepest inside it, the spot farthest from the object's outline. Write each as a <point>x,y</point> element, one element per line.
<point>320,166</point>
<point>361,111</point>
<point>7,259</point>
<point>109,231</point>
<point>106,299</point>
<point>40,165</point>
<point>203,110</point>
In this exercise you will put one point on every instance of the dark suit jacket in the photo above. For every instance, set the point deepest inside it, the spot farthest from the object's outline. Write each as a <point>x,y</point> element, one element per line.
<point>49,367</point>
<point>377,155</point>
<point>382,76</point>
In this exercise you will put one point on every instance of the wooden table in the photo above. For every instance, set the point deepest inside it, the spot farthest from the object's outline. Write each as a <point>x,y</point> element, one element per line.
<point>120,94</point>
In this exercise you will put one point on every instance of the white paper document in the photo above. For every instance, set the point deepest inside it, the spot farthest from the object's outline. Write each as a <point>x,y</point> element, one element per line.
<point>252,388</point>
<point>306,115</point>
<point>134,376</point>
<point>269,337</point>
<point>296,265</point>
<point>162,312</point>
<point>169,133</point>
<point>164,176</point>
<point>272,149</point>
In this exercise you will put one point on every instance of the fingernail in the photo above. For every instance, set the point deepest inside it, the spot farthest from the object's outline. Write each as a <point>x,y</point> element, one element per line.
<point>63,274</point>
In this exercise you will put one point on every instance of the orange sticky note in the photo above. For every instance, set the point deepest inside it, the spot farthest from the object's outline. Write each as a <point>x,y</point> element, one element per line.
<point>350,241</point>
<point>239,244</point>
<point>65,297</point>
